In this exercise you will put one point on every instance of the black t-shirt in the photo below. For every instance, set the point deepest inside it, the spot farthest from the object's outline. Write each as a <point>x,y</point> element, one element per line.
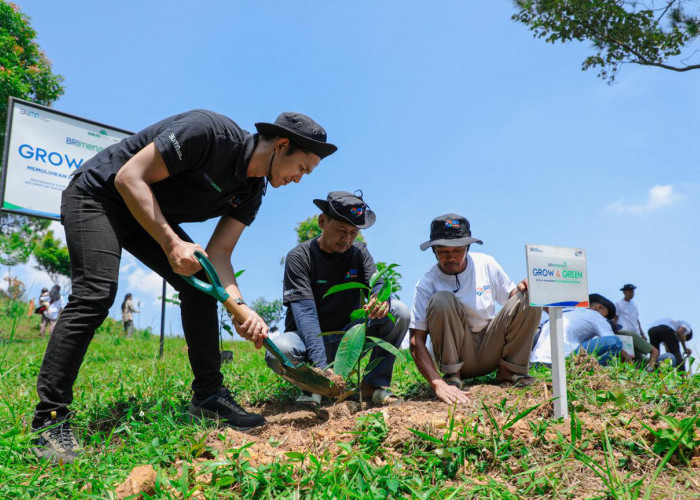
<point>207,156</point>
<point>309,273</point>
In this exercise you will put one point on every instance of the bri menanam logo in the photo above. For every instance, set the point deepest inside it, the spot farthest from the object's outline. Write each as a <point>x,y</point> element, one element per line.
<point>452,223</point>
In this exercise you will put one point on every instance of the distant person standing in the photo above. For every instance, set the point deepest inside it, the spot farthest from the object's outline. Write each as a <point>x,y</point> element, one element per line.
<point>41,309</point>
<point>128,311</point>
<point>672,333</point>
<point>53,310</point>
<point>627,311</point>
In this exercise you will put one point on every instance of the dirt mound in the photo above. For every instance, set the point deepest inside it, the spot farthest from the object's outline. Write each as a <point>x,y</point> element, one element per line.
<point>291,429</point>
<point>141,480</point>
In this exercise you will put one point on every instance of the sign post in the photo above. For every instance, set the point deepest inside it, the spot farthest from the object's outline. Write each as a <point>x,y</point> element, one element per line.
<point>557,278</point>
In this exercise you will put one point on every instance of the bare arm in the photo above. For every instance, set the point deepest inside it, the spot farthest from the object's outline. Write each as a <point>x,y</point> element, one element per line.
<point>641,332</point>
<point>248,323</point>
<point>681,337</point>
<point>133,184</point>
<point>653,358</point>
<point>424,362</point>
<point>520,287</point>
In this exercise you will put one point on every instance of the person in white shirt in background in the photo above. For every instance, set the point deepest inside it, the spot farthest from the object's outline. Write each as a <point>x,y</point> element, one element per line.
<point>672,333</point>
<point>628,312</point>
<point>584,329</point>
<point>55,307</point>
<point>455,306</point>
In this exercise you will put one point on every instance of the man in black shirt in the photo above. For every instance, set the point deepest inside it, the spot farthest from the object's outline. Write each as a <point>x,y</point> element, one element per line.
<point>311,269</point>
<point>133,195</point>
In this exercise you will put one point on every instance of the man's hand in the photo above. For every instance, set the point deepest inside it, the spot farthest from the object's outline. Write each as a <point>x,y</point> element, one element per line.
<point>520,287</point>
<point>375,309</point>
<point>687,351</point>
<point>181,257</point>
<point>450,394</point>
<point>253,329</point>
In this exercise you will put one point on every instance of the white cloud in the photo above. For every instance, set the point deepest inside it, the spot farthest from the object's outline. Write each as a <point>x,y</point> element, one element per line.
<point>659,196</point>
<point>143,282</point>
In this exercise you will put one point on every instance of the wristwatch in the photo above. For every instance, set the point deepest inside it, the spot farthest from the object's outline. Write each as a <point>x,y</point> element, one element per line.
<point>239,301</point>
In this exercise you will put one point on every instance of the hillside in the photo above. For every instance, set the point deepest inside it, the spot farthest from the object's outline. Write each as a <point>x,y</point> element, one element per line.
<point>632,434</point>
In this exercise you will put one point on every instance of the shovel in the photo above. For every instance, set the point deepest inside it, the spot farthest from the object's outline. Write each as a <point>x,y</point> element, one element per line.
<point>301,375</point>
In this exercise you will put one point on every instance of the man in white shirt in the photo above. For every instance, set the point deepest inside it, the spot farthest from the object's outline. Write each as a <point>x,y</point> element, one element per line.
<point>627,311</point>
<point>584,329</point>
<point>455,303</point>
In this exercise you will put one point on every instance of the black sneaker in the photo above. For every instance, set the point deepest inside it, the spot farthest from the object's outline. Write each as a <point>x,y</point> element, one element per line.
<point>223,407</point>
<point>56,441</point>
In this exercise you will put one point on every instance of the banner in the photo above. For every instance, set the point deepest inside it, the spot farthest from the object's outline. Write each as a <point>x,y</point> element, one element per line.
<point>43,147</point>
<point>557,276</point>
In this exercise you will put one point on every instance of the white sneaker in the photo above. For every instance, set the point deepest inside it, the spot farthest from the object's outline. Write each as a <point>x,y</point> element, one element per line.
<point>312,399</point>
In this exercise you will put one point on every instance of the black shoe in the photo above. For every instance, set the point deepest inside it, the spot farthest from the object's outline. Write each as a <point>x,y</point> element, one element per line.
<point>223,407</point>
<point>56,441</point>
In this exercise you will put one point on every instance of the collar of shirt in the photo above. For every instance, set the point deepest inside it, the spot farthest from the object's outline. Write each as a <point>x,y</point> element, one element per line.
<point>243,160</point>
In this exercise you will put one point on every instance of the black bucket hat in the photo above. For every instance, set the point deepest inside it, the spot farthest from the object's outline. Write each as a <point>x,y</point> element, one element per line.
<point>301,130</point>
<point>596,297</point>
<point>628,286</point>
<point>450,230</point>
<point>347,207</point>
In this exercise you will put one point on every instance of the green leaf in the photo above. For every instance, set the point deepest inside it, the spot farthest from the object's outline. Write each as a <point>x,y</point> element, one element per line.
<point>425,436</point>
<point>344,286</point>
<point>358,314</point>
<point>295,456</point>
<point>387,347</point>
<point>384,292</point>
<point>378,274</point>
<point>349,350</point>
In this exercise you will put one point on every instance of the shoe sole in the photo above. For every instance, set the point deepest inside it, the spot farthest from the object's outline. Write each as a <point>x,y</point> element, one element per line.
<point>202,414</point>
<point>54,456</point>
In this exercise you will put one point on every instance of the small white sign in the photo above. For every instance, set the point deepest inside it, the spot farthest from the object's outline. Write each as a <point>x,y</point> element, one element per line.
<point>557,276</point>
<point>627,343</point>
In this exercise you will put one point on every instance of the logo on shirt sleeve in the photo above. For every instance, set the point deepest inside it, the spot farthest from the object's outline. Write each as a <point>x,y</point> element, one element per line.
<point>176,145</point>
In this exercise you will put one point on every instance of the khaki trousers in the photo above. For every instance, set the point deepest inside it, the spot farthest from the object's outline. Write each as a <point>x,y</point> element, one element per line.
<point>506,341</point>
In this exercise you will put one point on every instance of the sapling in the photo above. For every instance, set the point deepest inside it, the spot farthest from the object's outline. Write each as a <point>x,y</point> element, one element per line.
<point>355,344</point>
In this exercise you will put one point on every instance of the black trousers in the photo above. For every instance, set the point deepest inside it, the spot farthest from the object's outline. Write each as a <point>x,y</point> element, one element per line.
<point>95,236</point>
<point>663,334</point>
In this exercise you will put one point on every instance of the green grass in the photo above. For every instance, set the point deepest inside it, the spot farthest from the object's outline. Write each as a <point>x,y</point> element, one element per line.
<point>632,434</point>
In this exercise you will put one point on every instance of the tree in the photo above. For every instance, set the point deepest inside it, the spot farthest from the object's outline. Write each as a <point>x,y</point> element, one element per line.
<point>52,256</point>
<point>19,237</point>
<point>309,229</point>
<point>622,31</point>
<point>270,311</point>
<point>25,71</point>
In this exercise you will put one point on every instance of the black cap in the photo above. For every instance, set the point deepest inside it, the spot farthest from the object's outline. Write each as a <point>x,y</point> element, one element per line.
<point>628,286</point>
<point>347,207</point>
<point>301,130</point>
<point>450,230</point>
<point>596,297</point>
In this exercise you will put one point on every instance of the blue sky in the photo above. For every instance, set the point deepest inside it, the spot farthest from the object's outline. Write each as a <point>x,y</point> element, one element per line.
<point>436,108</point>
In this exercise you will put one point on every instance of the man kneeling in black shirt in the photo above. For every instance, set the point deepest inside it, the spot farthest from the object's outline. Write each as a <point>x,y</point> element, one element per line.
<point>311,269</point>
